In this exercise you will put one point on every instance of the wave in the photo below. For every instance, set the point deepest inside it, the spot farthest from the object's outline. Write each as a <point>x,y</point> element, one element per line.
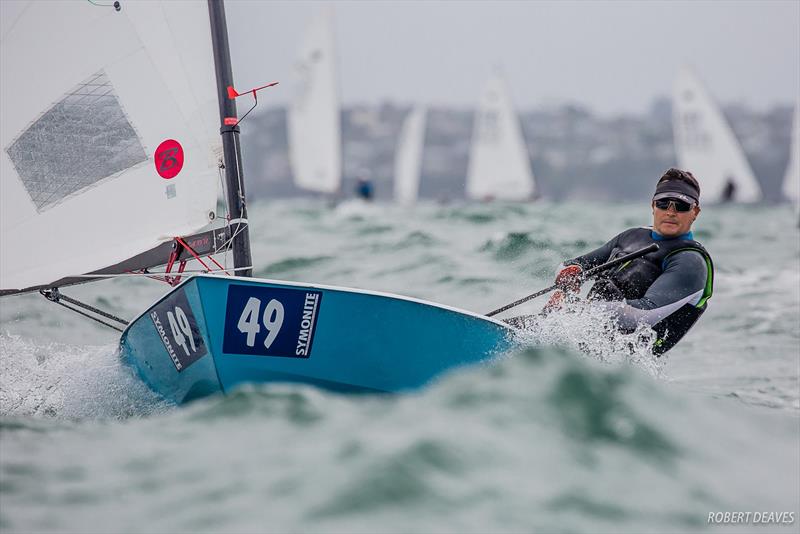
<point>545,435</point>
<point>292,265</point>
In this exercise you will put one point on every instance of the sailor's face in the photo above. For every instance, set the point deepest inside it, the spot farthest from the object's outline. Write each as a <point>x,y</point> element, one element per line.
<point>672,223</point>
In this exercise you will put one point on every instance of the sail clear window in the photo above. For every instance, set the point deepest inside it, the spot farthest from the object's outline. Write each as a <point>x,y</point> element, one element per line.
<point>82,140</point>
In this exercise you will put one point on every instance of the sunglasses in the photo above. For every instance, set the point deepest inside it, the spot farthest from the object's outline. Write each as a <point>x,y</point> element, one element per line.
<point>679,205</point>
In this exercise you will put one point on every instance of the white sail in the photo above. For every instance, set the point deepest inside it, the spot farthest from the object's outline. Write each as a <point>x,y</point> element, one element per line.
<point>408,158</point>
<point>89,94</point>
<point>314,121</point>
<point>499,165</point>
<point>791,182</point>
<point>706,146</point>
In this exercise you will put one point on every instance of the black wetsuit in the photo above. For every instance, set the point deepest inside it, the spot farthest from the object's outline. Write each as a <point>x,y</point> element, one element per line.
<point>667,289</point>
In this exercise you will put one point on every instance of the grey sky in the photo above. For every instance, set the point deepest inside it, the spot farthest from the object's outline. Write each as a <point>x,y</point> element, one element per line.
<point>611,56</point>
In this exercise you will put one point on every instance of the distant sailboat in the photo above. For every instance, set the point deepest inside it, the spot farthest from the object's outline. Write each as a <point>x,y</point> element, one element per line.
<point>791,182</point>
<point>706,145</point>
<point>313,120</point>
<point>499,164</point>
<point>408,158</point>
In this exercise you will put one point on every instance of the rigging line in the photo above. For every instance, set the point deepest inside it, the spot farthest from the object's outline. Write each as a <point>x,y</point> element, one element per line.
<point>240,227</point>
<point>190,271</point>
<point>207,268</point>
<point>115,275</point>
<point>249,110</point>
<point>224,252</point>
<point>218,250</point>
<point>187,247</point>
<point>55,295</point>
<point>227,248</point>
<point>159,273</point>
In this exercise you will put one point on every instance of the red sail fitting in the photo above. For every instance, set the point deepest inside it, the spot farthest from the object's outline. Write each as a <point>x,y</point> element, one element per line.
<point>232,93</point>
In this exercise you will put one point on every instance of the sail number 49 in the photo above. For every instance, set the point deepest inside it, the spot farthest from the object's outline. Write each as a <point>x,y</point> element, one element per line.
<point>179,324</point>
<point>252,318</point>
<point>263,320</point>
<point>174,316</point>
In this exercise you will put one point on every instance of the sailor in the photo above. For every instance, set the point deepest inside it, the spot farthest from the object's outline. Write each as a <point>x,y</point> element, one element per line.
<point>667,289</point>
<point>364,188</point>
<point>729,191</point>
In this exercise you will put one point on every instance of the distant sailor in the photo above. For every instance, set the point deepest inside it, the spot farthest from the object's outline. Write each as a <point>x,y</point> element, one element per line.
<point>729,191</point>
<point>667,289</point>
<point>364,188</point>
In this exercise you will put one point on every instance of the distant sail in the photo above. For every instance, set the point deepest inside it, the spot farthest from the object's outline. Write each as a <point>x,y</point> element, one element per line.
<point>408,158</point>
<point>706,146</point>
<point>499,164</point>
<point>314,121</point>
<point>791,182</point>
<point>110,140</point>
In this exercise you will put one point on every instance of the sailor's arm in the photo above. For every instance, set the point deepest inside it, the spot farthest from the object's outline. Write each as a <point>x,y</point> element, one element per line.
<point>682,282</point>
<point>595,257</point>
<point>570,274</point>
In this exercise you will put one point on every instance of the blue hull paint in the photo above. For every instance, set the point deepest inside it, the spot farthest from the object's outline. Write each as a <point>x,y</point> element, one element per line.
<point>334,338</point>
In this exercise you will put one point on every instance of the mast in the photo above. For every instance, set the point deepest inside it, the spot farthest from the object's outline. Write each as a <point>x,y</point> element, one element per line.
<point>234,174</point>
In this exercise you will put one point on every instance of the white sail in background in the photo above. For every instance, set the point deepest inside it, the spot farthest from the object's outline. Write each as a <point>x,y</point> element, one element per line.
<point>706,146</point>
<point>89,94</point>
<point>313,120</point>
<point>499,165</point>
<point>408,158</point>
<point>791,182</point>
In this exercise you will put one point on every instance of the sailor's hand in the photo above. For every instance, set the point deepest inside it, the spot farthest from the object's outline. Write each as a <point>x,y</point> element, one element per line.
<point>569,279</point>
<point>554,302</point>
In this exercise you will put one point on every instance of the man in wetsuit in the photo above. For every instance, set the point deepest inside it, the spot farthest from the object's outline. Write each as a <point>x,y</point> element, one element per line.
<point>667,289</point>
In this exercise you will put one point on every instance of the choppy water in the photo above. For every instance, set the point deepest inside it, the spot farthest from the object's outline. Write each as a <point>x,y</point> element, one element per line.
<point>548,439</point>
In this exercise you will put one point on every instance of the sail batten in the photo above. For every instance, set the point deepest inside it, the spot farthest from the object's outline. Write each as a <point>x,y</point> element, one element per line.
<point>82,184</point>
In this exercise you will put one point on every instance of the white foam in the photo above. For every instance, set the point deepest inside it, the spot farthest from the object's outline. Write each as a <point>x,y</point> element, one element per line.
<point>69,382</point>
<point>591,330</point>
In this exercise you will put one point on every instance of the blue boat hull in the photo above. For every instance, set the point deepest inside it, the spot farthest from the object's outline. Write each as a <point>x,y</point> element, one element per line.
<point>212,333</point>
